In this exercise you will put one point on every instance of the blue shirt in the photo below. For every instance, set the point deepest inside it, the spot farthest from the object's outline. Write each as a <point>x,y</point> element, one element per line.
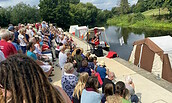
<point>102,72</point>
<point>85,69</point>
<point>90,97</point>
<point>16,46</point>
<point>32,55</point>
<point>16,36</point>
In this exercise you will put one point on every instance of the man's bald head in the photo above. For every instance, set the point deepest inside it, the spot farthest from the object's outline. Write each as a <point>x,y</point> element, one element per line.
<point>111,75</point>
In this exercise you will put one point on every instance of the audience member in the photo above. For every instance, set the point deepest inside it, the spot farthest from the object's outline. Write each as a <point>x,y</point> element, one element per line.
<point>11,40</point>
<point>107,91</point>
<point>102,70</point>
<point>23,81</point>
<point>85,67</point>
<point>120,91</point>
<point>7,48</point>
<point>62,58</point>
<point>83,77</point>
<point>78,59</point>
<point>113,99</point>
<point>130,86</point>
<point>110,79</point>
<point>69,80</point>
<point>91,94</point>
<point>23,40</point>
<point>46,68</point>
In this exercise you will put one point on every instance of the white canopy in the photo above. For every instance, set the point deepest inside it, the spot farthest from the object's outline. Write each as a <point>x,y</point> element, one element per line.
<point>164,42</point>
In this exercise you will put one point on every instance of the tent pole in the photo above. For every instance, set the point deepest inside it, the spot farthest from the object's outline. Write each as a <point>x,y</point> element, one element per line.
<point>141,50</point>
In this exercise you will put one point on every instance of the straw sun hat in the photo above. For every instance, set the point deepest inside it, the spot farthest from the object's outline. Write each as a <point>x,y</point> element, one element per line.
<point>102,63</point>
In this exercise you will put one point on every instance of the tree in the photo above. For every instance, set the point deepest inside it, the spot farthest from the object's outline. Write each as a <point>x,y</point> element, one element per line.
<point>168,4</point>
<point>124,6</point>
<point>22,13</point>
<point>63,17</point>
<point>47,9</point>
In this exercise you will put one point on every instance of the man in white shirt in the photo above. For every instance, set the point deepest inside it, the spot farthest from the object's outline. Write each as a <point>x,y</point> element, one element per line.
<point>62,58</point>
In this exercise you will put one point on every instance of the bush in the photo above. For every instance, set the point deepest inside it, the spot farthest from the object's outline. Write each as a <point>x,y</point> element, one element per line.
<point>137,17</point>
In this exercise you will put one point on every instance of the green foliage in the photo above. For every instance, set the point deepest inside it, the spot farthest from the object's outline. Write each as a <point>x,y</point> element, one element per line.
<point>5,16</point>
<point>156,12</point>
<point>63,17</point>
<point>21,13</point>
<point>138,21</point>
<point>124,7</point>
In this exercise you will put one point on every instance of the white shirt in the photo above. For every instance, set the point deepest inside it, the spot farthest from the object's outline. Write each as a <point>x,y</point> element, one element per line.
<point>21,38</point>
<point>37,51</point>
<point>30,33</point>
<point>2,57</point>
<point>62,60</point>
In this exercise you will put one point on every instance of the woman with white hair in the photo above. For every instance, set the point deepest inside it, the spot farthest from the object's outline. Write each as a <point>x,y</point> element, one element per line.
<point>69,80</point>
<point>7,48</point>
<point>131,88</point>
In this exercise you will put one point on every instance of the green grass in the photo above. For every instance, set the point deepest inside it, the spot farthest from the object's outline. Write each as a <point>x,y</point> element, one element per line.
<point>131,20</point>
<point>148,22</point>
<point>156,12</point>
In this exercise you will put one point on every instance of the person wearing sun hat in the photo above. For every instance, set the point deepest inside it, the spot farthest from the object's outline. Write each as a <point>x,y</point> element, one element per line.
<point>102,70</point>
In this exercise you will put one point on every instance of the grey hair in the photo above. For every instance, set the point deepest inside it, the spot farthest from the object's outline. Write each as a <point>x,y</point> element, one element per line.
<point>111,74</point>
<point>68,67</point>
<point>32,39</point>
<point>4,33</point>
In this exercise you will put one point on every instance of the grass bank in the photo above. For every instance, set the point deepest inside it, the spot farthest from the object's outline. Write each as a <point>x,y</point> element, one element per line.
<point>141,20</point>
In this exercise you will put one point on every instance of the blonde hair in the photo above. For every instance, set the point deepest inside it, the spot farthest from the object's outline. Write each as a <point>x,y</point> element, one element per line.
<point>81,84</point>
<point>22,30</point>
<point>113,99</point>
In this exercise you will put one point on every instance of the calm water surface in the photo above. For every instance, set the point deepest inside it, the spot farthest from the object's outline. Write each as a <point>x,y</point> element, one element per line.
<point>114,33</point>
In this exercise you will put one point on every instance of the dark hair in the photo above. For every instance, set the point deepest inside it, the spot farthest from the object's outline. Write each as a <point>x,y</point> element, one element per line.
<point>92,82</point>
<point>94,58</point>
<point>70,59</point>
<point>90,59</point>
<point>29,45</point>
<point>108,90</point>
<point>78,51</point>
<point>84,63</point>
<point>37,39</point>
<point>24,78</point>
<point>120,88</point>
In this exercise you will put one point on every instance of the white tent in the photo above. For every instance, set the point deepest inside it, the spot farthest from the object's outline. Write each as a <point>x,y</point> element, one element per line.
<point>81,32</point>
<point>72,28</point>
<point>154,54</point>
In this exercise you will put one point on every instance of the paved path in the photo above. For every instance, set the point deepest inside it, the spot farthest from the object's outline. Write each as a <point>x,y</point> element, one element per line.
<point>146,86</point>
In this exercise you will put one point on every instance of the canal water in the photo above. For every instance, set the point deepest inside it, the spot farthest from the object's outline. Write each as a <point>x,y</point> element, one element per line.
<point>129,35</point>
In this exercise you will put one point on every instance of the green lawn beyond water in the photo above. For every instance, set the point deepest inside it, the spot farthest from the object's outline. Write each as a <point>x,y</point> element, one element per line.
<point>142,20</point>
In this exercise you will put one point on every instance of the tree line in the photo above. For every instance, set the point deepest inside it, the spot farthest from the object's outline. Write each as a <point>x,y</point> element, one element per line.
<point>141,6</point>
<point>63,13</point>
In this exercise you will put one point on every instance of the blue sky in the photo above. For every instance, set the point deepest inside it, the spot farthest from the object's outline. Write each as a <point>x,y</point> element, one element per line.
<point>102,4</point>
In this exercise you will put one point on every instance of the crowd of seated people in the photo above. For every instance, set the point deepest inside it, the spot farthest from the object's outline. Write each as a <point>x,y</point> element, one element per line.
<point>82,76</point>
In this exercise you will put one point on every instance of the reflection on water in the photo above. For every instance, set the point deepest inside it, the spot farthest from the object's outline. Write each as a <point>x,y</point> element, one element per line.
<point>113,33</point>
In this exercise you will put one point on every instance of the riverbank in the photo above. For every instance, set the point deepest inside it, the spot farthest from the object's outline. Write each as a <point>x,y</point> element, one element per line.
<point>140,21</point>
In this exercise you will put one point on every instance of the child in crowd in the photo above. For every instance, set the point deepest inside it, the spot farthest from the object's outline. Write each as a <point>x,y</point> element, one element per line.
<point>79,87</point>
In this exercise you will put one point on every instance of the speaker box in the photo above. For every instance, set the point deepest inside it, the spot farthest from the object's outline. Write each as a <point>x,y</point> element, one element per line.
<point>99,51</point>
